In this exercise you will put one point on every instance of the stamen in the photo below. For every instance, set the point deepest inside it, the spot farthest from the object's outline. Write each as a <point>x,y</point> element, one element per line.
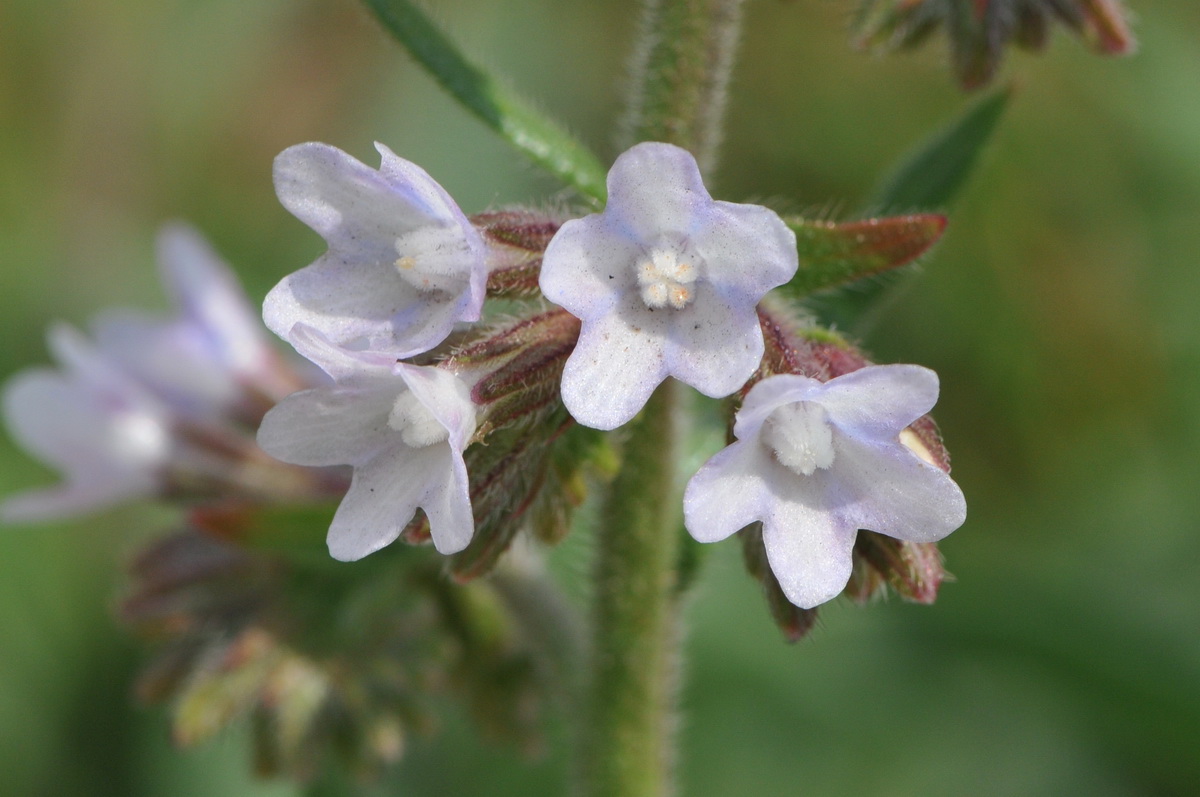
<point>665,279</point>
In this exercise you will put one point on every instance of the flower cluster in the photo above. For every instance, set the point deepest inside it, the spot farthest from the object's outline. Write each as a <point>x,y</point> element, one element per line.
<point>979,30</point>
<point>154,407</point>
<point>665,282</point>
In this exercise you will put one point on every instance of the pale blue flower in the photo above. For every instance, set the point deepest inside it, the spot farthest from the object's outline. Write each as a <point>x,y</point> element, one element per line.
<point>404,264</point>
<point>107,434</point>
<point>814,462</point>
<point>665,281</point>
<point>402,427</point>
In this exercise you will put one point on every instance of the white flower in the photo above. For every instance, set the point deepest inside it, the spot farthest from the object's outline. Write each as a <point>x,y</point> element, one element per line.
<point>404,264</point>
<point>665,281</point>
<point>109,437</point>
<point>817,461</point>
<point>202,360</point>
<point>403,428</point>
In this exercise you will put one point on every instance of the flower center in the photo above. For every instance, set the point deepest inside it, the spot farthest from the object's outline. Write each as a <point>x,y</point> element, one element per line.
<point>415,423</point>
<point>433,258</point>
<point>666,279</point>
<point>800,436</point>
<point>139,440</point>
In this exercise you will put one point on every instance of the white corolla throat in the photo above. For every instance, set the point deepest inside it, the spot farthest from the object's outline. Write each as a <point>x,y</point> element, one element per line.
<point>417,426</point>
<point>800,436</point>
<point>431,259</point>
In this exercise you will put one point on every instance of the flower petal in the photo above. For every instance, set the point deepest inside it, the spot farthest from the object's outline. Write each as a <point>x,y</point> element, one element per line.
<point>107,452</point>
<point>329,426</point>
<point>448,506</point>
<point>587,266</point>
<point>69,500</point>
<point>878,401</point>
<point>210,297</point>
<point>767,396</point>
<point>655,189</point>
<point>746,248</point>
<point>349,368</point>
<point>896,493</point>
<point>384,495</point>
<point>176,360</point>
<point>715,345</point>
<point>355,293</point>
<point>728,493</point>
<point>616,365</point>
<point>808,547</point>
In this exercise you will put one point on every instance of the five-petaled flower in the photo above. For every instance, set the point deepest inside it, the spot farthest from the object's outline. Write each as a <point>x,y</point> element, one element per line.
<point>108,434</point>
<point>817,461</point>
<point>402,427</point>
<point>404,264</point>
<point>665,281</point>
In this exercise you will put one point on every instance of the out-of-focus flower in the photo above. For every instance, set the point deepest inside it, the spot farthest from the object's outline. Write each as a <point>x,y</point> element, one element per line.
<point>404,264</point>
<point>665,281</point>
<point>159,406</point>
<point>814,462</point>
<point>402,427</point>
<point>979,30</point>
<point>213,356</point>
<point>108,435</point>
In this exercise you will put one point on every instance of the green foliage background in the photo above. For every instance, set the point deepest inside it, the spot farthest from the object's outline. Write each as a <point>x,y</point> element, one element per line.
<point>1060,312</point>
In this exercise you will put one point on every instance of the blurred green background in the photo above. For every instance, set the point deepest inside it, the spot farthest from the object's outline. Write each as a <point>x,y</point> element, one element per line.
<point>1060,312</point>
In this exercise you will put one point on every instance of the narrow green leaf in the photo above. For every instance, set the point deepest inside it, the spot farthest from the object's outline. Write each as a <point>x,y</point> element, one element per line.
<point>833,254</point>
<point>933,173</point>
<point>928,178</point>
<point>541,139</point>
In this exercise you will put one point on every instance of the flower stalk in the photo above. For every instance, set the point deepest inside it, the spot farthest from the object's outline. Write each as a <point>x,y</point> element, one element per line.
<point>629,731</point>
<point>680,74</point>
<point>681,66</point>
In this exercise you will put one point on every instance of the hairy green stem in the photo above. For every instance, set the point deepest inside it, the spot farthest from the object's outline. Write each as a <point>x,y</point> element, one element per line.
<point>628,733</point>
<point>681,68</point>
<point>680,74</point>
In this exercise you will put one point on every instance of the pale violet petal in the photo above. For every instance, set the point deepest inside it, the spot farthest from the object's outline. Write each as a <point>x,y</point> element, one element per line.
<point>768,395</point>
<point>895,492</point>
<point>384,495</point>
<point>71,500</point>
<point>748,249</point>
<point>209,296</point>
<point>714,345</point>
<point>174,359</point>
<point>446,397</point>
<point>448,506</point>
<point>359,293</point>
<point>357,368</point>
<point>615,367</point>
<point>329,426</point>
<point>880,400</point>
<point>656,189</point>
<point>728,493</point>
<point>587,266</point>
<point>808,547</point>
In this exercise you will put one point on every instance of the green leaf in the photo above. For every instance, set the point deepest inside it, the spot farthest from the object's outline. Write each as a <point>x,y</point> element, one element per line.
<point>833,254</point>
<point>928,178</point>
<point>541,139</point>
<point>933,173</point>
